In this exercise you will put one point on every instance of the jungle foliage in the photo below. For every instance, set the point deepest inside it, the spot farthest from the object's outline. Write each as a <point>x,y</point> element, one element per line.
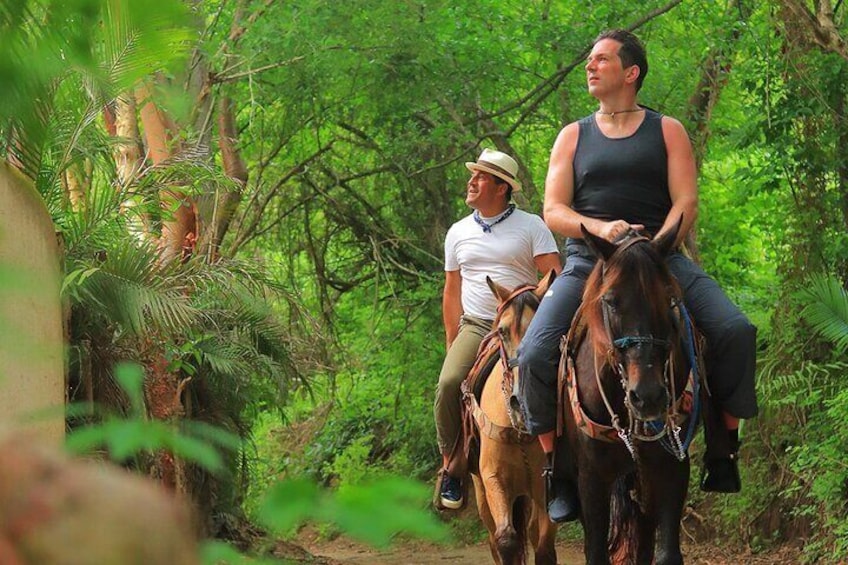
<point>309,290</point>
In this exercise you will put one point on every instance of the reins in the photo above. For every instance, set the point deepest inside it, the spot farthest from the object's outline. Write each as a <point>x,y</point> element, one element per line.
<point>644,431</point>
<point>516,433</point>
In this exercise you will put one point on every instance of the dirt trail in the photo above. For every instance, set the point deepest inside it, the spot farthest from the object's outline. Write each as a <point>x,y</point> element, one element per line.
<point>344,551</point>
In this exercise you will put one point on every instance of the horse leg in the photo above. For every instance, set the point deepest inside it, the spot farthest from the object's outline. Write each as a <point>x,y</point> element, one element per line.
<point>669,496</point>
<point>505,539</point>
<point>542,530</point>
<point>595,501</point>
<point>646,531</point>
<point>486,516</point>
<point>544,545</point>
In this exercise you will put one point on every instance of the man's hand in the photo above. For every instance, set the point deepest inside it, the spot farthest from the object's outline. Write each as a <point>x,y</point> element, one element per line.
<point>610,231</point>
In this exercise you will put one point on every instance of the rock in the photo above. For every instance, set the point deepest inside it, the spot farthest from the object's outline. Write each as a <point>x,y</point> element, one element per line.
<point>59,510</point>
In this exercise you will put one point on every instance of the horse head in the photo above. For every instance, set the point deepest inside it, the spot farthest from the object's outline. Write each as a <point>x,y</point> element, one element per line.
<point>516,308</point>
<point>629,306</point>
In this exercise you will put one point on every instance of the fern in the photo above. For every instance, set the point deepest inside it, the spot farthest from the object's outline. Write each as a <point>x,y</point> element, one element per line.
<point>827,309</point>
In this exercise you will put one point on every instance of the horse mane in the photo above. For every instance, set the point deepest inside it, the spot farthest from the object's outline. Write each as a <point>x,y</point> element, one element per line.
<point>637,266</point>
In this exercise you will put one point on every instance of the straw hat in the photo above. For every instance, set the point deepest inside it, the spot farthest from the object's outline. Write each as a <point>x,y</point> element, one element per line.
<point>499,164</point>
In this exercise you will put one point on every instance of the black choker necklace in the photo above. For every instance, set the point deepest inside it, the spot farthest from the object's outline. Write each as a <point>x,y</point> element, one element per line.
<point>612,114</point>
<point>487,228</point>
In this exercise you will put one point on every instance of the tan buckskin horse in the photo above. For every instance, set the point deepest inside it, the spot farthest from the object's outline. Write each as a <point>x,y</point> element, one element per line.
<point>509,488</point>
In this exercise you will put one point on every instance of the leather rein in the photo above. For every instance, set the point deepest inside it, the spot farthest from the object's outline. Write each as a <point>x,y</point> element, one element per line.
<point>667,431</point>
<point>517,432</point>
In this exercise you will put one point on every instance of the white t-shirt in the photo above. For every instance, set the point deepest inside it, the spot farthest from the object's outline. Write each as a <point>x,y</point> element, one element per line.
<point>506,255</point>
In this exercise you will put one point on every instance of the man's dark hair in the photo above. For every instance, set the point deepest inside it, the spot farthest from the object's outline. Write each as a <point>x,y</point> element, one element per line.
<point>631,52</point>
<point>499,180</point>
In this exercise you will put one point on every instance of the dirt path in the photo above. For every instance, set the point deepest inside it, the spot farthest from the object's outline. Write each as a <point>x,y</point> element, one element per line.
<point>344,551</point>
<point>417,553</point>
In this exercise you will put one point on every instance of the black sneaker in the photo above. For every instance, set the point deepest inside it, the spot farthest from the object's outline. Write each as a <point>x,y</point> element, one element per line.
<point>451,492</point>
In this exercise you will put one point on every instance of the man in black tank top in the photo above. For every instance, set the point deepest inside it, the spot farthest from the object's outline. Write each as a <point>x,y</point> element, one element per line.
<point>627,167</point>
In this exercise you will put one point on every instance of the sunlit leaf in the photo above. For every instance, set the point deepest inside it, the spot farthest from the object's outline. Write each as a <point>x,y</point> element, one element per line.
<point>288,503</point>
<point>131,378</point>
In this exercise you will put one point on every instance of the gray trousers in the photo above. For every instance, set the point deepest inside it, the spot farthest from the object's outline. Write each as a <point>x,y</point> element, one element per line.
<point>731,338</point>
<point>447,408</point>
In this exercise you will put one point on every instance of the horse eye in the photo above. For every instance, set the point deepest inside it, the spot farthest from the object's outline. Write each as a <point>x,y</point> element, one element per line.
<point>609,301</point>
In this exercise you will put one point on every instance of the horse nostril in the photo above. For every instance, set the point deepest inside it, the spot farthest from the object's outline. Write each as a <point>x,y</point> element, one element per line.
<point>647,398</point>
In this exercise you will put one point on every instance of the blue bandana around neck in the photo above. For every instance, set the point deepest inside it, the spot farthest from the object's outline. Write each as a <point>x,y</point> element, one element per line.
<point>487,227</point>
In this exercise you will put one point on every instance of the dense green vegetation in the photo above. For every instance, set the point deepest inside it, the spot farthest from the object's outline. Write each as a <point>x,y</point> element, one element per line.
<point>319,306</point>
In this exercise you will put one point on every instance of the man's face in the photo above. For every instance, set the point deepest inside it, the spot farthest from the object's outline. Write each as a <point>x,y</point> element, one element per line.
<point>482,192</point>
<point>604,70</point>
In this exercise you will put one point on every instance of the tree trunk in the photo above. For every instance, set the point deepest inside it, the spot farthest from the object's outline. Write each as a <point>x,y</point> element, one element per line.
<point>215,211</point>
<point>715,71</point>
<point>818,29</point>
<point>179,225</point>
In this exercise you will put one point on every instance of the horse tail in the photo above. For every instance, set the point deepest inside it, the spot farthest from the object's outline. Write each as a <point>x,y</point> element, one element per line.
<point>624,521</point>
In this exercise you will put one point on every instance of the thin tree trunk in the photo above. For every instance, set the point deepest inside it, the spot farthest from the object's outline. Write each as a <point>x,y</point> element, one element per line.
<point>818,28</point>
<point>127,153</point>
<point>179,226</point>
<point>215,211</point>
<point>715,71</point>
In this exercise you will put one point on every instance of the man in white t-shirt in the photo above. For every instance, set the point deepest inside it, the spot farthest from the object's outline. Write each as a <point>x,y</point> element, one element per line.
<point>496,240</point>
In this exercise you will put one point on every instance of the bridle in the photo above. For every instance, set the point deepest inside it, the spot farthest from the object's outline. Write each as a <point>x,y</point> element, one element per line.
<point>494,343</point>
<point>509,384</point>
<point>642,430</point>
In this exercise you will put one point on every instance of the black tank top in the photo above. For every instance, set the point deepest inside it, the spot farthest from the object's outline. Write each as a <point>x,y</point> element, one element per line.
<point>622,179</point>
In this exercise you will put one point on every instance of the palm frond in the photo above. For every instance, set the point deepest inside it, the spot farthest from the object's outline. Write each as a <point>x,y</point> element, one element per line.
<point>132,290</point>
<point>827,309</point>
<point>810,376</point>
<point>139,38</point>
<point>48,42</point>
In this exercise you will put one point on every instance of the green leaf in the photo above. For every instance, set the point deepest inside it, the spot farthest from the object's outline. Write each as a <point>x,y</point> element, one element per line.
<point>195,450</point>
<point>222,553</point>
<point>131,378</point>
<point>827,310</point>
<point>379,502</point>
<point>288,503</point>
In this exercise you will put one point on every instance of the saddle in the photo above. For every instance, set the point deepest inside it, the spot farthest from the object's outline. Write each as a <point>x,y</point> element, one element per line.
<point>464,456</point>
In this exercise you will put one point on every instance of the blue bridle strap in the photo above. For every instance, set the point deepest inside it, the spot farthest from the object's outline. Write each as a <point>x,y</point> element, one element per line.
<point>631,341</point>
<point>693,364</point>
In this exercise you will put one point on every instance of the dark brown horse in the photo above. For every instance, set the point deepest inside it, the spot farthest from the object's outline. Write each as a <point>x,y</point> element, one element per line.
<point>508,482</point>
<point>627,414</point>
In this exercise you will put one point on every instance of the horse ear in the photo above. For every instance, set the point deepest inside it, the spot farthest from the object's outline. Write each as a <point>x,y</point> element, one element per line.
<point>665,243</point>
<point>602,248</point>
<point>500,292</point>
<point>545,284</point>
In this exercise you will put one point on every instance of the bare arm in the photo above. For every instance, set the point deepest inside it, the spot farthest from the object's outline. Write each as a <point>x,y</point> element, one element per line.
<point>452,305</point>
<point>682,178</point>
<point>548,262</point>
<point>559,193</point>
